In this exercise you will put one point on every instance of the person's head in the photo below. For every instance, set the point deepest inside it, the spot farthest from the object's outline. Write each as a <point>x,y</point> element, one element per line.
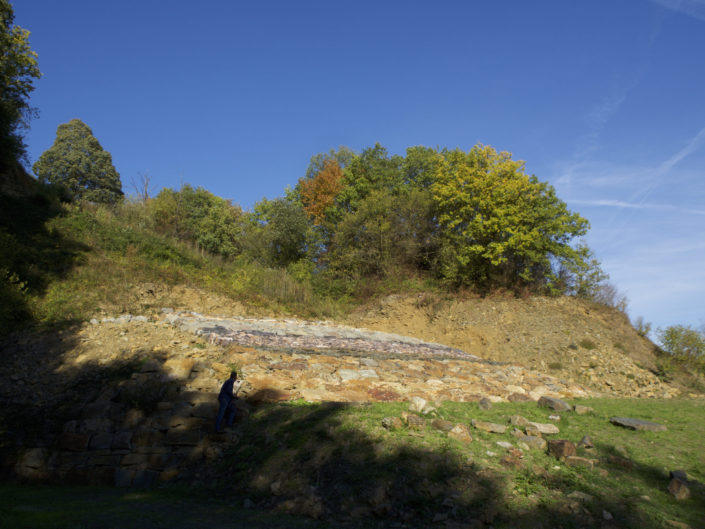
<point>233,375</point>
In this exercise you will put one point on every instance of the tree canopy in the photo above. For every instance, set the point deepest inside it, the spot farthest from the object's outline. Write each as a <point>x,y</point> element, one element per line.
<point>500,226</point>
<point>18,71</point>
<point>79,163</point>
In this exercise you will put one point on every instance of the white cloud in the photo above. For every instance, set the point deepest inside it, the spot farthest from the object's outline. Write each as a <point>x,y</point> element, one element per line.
<point>691,8</point>
<point>635,205</point>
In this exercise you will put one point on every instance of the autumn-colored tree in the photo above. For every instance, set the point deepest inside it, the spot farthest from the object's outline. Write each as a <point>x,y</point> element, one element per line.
<point>500,226</point>
<point>318,193</point>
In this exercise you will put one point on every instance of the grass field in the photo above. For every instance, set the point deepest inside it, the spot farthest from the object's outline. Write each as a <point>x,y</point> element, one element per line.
<point>338,462</point>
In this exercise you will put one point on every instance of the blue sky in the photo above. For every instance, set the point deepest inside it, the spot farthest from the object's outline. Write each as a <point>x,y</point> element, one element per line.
<point>603,99</point>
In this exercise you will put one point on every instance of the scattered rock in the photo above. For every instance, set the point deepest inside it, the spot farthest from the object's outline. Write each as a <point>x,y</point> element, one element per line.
<point>622,462</point>
<point>489,426</point>
<point>554,404</point>
<point>417,404</point>
<point>580,496</point>
<point>505,444</point>
<point>519,397</point>
<point>581,462</point>
<point>561,448</point>
<point>554,417</point>
<point>532,442</point>
<point>582,410</point>
<point>679,489</point>
<point>442,425</point>
<point>518,420</point>
<point>415,422</point>
<point>545,429</point>
<point>638,424</point>
<point>461,433</point>
<point>392,423</point>
<point>485,404</point>
<point>607,516</point>
<point>586,442</point>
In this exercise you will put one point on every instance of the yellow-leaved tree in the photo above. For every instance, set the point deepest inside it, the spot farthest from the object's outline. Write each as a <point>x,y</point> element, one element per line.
<point>500,226</point>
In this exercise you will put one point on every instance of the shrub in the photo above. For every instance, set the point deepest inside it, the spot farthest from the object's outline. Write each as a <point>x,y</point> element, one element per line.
<point>684,343</point>
<point>642,328</point>
<point>587,344</point>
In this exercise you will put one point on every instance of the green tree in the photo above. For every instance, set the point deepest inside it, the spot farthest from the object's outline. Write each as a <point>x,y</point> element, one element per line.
<point>197,215</point>
<point>684,343</point>
<point>282,232</point>
<point>500,226</point>
<point>78,162</point>
<point>18,71</point>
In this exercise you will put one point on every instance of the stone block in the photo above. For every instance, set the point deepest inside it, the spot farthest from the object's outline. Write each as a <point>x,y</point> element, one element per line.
<point>68,460</point>
<point>489,426</point>
<point>133,418</point>
<point>134,459</point>
<point>415,422</point>
<point>560,449</point>
<point>579,462</point>
<point>532,442</point>
<point>442,425</point>
<point>122,441</point>
<point>181,437</point>
<point>147,437</point>
<point>518,420</point>
<point>460,432</point>
<point>544,429</point>
<point>679,489</point>
<point>179,368</point>
<point>101,441</point>
<point>392,423</point>
<point>582,410</point>
<point>637,424</point>
<point>74,442</point>
<point>123,477</point>
<point>186,423</point>
<point>519,397</point>
<point>554,403</point>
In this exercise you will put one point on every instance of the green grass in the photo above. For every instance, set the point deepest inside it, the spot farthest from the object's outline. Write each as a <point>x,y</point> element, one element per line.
<point>54,507</point>
<point>343,452</point>
<point>339,457</point>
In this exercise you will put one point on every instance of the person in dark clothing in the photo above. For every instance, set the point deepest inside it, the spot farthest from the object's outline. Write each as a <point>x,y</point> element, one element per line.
<point>225,399</point>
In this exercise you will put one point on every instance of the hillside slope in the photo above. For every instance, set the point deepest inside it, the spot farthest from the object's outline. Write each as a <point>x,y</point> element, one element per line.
<point>589,344</point>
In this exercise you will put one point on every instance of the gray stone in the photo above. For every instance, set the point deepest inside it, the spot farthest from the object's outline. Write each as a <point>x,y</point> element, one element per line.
<point>485,404</point>
<point>638,424</point>
<point>554,404</point>
<point>417,404</point>
<point>544,429</point>
<point>582,410</point>
<point>532,442</point>
<point>489,426</point>
<point>442,425</point>
<point>580,496</point>
<point>585,442</point>
<point>518,420</point>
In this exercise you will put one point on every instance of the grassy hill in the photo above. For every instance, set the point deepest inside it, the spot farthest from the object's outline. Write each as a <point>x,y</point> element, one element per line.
<point>295,462</point>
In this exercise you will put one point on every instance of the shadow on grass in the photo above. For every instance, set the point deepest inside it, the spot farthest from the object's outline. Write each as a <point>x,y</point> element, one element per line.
<point>327,461</point>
